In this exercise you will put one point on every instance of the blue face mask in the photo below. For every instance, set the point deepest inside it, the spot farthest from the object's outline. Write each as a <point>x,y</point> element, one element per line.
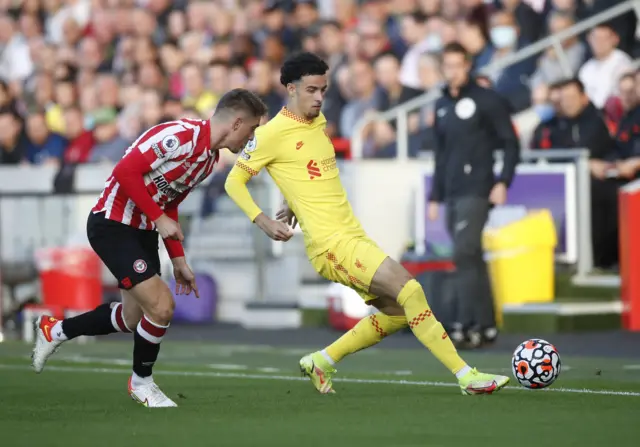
<point>545,112</point>
<point>503,36</point>
<point>434,43</point>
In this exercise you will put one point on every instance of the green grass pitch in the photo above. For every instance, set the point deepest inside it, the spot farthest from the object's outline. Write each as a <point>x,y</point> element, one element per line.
<point>231,395</point>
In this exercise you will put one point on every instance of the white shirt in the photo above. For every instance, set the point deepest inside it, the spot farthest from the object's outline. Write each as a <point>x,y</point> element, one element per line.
<point>15,60</point>
<point>600,77</point>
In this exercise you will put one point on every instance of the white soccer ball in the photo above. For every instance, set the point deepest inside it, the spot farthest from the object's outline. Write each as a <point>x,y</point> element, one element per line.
<point>536,363</point>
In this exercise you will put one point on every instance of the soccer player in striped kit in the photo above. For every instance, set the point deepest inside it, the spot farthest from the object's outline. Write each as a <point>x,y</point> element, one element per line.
<point>140,200</point>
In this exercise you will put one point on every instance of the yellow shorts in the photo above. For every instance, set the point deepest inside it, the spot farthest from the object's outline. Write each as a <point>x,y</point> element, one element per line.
<point>351,262</point>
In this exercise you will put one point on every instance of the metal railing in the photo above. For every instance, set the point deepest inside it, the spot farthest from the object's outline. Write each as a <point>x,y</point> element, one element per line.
<point>584,265</point>
<point>401,112</point>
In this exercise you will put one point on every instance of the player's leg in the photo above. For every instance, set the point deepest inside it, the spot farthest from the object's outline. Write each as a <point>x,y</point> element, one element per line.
<point>393,281</point>
<point>117,246</point>
<point>319,366</point>
<point>157,304</point>
<point>369,331</point>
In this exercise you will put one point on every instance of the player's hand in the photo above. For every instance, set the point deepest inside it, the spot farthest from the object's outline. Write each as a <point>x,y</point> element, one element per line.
<point>498,195</point>
<point>433,210</point>
<point>185,279</point>
<point>276,230</point>
<point>286,215</point>
<point>169,228</point>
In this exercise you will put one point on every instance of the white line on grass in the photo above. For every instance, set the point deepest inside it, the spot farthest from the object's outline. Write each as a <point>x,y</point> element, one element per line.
<point>293,378</point>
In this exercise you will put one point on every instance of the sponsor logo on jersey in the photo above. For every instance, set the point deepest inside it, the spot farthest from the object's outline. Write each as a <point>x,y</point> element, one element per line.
<point>328,164</point>
<point>158,150</point>
<point>299,145</point>
<point>313,170</point>
<point>165,187</point>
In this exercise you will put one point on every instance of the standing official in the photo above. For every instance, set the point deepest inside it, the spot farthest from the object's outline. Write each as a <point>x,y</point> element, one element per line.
<point>471,123</point>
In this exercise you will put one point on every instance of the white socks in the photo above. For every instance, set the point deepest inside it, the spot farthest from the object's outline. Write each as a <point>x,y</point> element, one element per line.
<point>327,357</point>
<point>463,372</point>
<point>57,333</point>
<point>137,381</point>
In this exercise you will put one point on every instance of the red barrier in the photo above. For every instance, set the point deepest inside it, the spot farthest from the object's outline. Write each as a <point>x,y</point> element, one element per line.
<point>629,200</point>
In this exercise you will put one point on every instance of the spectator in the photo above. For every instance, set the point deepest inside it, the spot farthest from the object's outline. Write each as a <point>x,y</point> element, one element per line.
<point>12,138</point>
<point>546,102</point>
<point>362,95</point>
<point>627,139</point>
<point>512,81</point>
<point>171,60</point>
<point>151,106</point>
<point>373,40</point>
<point>415,33</point>
<point>529,21</point>
<point>80,141</point>
<point>15,59</point>
<point>584,127</point>
<point>473,37</point>
<point>43,146</point>
<point>601,73</point>
<point>260,82</point>
<point>332,47</point>
<point>195,95</point>
<point>391,93</point>
<point>550,70</point>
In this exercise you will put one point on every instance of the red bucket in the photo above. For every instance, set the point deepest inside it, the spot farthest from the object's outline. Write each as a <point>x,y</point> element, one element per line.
<point>70,278</point>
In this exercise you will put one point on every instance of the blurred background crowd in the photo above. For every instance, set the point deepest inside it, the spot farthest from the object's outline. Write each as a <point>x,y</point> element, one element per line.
<point>81,79</point>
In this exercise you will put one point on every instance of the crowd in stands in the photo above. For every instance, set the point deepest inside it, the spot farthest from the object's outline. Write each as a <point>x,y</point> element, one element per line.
<point>81,79</point>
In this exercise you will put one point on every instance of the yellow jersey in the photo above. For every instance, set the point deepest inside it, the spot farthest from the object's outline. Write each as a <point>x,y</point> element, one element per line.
<point>301,159</point>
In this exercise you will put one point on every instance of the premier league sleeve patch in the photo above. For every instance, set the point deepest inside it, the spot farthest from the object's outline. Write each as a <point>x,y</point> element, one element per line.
<point>250,147</point>
<point>170,143</point>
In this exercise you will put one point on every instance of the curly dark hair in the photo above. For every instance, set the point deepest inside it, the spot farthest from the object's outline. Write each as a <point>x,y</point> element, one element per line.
<point>300,65</point>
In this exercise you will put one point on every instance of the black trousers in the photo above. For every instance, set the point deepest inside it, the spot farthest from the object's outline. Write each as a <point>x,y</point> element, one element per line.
<point>604,222</point>
<point>466,218</point>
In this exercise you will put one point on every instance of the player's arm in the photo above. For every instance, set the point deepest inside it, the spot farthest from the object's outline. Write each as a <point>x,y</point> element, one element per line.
<point>157,146</point>
<point>249,164</point>
<point>174,247</point>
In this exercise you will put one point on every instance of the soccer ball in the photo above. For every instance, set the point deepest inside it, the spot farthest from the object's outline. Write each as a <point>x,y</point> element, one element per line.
<point>536,363</point>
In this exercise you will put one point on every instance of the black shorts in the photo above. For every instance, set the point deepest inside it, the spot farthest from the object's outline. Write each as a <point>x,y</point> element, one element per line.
<point>129,253</point>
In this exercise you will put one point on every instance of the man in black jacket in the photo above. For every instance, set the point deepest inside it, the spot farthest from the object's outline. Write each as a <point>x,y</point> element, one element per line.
<point>471,123</point>
<point>582,126</point>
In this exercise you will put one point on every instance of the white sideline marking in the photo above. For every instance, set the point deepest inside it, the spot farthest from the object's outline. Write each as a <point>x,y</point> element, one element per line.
<point>228,366</point>
<point>293,378</point>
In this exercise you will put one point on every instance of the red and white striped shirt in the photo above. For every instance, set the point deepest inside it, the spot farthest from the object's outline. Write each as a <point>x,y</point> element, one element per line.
<point>158,170</point>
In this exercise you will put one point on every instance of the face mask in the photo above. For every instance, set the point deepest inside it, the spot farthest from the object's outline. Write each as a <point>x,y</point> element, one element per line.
<point>545,112</point>
<point>503,36</point>
<point>434,43</point>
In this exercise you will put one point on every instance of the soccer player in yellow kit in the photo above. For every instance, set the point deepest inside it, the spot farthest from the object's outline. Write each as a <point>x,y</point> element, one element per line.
<point>299,156</point>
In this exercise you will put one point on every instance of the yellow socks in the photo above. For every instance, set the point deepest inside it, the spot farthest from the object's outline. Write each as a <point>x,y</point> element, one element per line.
<point>426,328</point>
<point>368,332</point>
